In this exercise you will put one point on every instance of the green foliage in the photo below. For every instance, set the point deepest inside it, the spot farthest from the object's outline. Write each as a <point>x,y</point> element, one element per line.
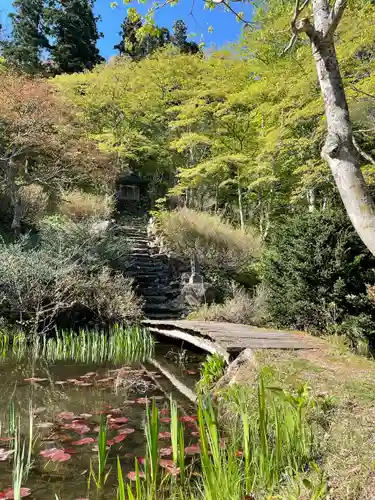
<point>138,40</point>
<point>212,369</point>
<point>315,272</point>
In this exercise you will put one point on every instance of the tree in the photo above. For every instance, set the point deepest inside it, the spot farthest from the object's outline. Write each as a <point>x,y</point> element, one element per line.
<point>179,39</point>
<point>75,34</point>
<point>40,144</point>
<point>23,50</point>
<point>136,46</point>
<point>339,149</point>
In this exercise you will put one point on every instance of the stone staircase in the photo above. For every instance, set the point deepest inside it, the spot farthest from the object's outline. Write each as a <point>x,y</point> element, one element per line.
<point>153,277</point>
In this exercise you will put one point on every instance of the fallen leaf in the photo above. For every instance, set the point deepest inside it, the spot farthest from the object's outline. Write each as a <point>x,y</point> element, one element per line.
<point>35,379</point>
<point>5,454</point>
<point>119,438</point>
<point>118,420</point>
<point>65,415</point>
<point>9,494</point>
<point>191,372</point>
<point>133,475</point>
<point>83,441</point>
<point>142,401</point>
<point>126,431</point>
<point>188,418</point>
<point>193,449</point>
<point>165,435</point>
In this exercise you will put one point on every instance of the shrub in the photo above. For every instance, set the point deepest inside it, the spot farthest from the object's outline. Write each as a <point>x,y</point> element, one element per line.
<point>65,272</point>
<point>110,296</point>
<point>34,203</point>
<point>78,205</point>
<point>219,247</point>
<point>240,307</point>
<point>315,272</point>
<point>90,249</point>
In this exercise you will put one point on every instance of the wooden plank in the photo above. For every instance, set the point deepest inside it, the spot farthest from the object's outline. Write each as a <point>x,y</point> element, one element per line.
<point>206,345</point>
<point>225,338</point>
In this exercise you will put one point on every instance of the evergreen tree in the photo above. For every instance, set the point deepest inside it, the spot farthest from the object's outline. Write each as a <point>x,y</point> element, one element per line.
<point>138,48</point>
<point>73,27</point>
<point>23,50</point>
<point>180,39</point>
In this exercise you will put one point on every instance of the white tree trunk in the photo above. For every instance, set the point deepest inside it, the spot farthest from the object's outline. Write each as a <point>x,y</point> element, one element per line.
<point>339,150</point>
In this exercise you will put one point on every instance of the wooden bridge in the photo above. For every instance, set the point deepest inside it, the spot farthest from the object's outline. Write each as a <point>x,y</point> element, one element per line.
<point>230,339</point>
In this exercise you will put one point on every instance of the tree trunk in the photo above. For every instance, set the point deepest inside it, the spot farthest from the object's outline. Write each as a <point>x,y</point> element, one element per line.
<point>339,150</point>
<point>311,199</point>
<point>240,207</point>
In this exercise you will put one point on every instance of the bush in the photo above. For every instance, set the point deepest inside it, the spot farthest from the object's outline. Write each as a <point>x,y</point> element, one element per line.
<point>240,307</point>
<point>78,205</point>
<point>91,250</point>
<point>315,272</point>
<point>219,247</point>
<point>34,203</point>
<point>66,272</point>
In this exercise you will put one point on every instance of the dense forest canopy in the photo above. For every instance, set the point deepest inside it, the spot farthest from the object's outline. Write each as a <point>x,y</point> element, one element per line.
<point>239,130</point>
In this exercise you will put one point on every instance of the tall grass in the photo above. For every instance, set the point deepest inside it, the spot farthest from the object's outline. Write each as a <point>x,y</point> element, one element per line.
<point>264,450</point>
<point>78,205</point>
<point>101,475</point>
<point>216,243</point>
<point>119,345</point>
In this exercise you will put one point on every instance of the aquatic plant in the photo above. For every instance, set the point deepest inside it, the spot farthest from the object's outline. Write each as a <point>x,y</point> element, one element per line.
<point>100,477</point>
<point>271,446</point>
<point>212,369</point>
<point>118,345</point>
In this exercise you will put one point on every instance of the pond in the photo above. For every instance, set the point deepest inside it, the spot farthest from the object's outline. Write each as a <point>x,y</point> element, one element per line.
<point>57,394</point>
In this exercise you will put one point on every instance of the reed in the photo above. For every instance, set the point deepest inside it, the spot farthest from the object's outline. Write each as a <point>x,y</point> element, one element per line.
<point>100,477</point>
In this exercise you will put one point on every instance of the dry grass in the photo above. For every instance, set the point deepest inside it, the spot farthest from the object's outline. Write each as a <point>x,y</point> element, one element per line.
<point>78,205</point>
<point>240,307</point>
<point>216,243</point>
<point>348,443</point>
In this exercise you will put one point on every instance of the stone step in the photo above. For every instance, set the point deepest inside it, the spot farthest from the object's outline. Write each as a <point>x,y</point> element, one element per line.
<point>155,299</point>
<point>163,316</point>
<point>159,308</point>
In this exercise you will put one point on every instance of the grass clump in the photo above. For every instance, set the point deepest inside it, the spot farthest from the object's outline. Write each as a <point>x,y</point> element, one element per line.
<point>79,205</point>
<point>212,369</point>
<point>216,243</point>
<point>119,345</point>
<point>238,307</point>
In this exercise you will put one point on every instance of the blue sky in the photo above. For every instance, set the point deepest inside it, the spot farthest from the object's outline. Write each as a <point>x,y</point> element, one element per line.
<point>225,27</point>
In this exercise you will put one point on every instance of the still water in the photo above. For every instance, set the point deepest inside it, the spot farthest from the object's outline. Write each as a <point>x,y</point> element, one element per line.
<point>66,399</point>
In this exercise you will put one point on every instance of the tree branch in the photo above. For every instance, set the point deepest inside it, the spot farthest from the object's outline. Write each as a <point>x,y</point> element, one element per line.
<point>336,15</point>
<point>297,27</point>
<point>228,6</point>
<point>365,155</point>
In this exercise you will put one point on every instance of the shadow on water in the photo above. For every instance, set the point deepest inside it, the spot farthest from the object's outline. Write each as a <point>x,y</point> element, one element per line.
<point>68,383</point>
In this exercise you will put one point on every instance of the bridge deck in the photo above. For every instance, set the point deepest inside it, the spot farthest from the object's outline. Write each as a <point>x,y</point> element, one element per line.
<point>229,338</point>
